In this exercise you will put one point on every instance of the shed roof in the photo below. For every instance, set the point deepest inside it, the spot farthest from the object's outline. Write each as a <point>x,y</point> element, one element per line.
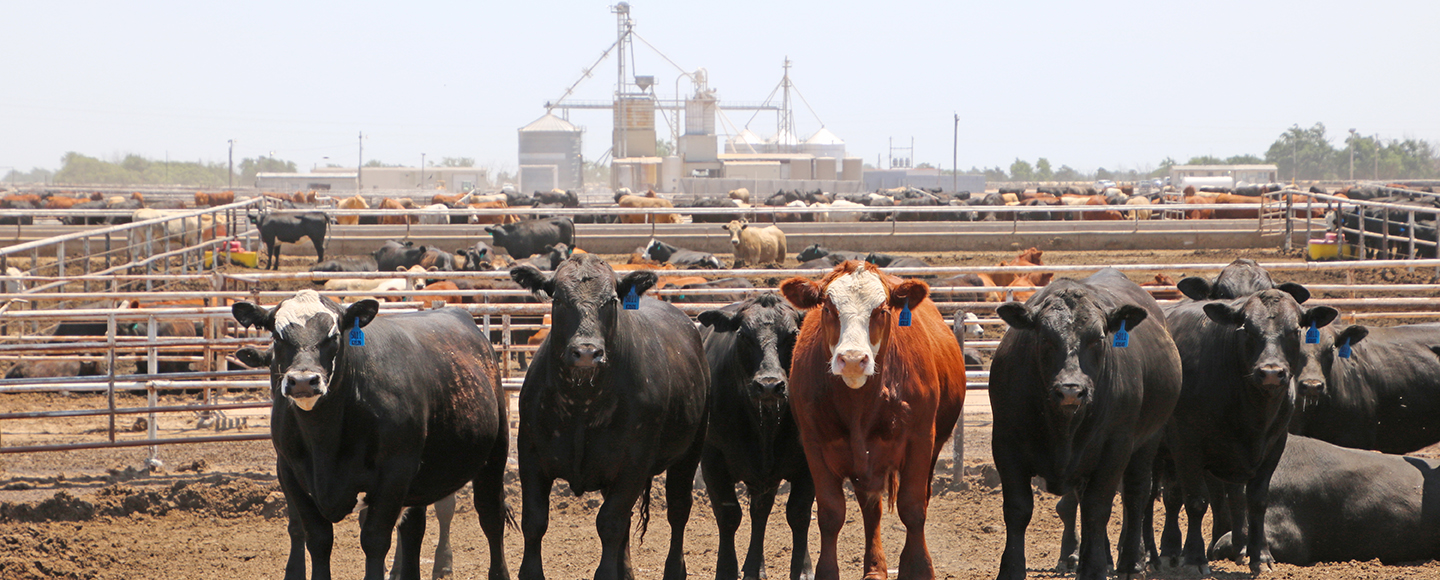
<point>550,123</point>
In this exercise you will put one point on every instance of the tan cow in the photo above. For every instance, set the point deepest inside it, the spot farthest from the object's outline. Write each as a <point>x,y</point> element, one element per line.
<point>645,201</point>
<point>756,245</point>
<point>356,202</point>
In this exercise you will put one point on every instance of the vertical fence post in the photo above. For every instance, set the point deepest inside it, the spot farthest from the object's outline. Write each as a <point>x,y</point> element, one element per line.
<point>1289,226</point>
<point>85,247</point>
<point>151,429</point>
<point>149,253</point>
<point>110,390</point>
<point>505,345</point>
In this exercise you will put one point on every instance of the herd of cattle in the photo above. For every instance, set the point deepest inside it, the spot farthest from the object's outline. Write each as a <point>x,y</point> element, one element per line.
<point>1237,396</point>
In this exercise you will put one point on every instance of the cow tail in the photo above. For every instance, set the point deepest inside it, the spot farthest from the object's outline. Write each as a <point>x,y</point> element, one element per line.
<point>645,509</point>
<point>892,488</point>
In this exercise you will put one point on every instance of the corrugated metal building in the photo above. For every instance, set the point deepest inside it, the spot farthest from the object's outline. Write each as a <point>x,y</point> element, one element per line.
<point>550,155</point>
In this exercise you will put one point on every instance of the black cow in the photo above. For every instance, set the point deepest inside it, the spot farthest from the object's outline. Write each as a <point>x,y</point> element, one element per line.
<point>738,283</point>
<point>347,264</point>
<point>289,229</point>
<point>364,418</point>
<point>394,255</point>
<point>530,237</point>
<point>816,251</point>
<point>666,253</point>
<point>549,259</point>
<point>1242,277</point>
<point>617,397</point>
<point>1240,360</point>
<point>562,198</point>
<point>1333,504</point>
<point>752,436</point>
<point>825,263</point>
<point>1075,407</point>
<point>477,257</point>
<point>714,218</point>
<point>889,261</point>
<point>32,369</point>
<point>162,329</point>
<point>86,221</point>
<point>1382,397</point>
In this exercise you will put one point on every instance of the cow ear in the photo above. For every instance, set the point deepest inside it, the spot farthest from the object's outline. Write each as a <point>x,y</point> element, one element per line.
<point>1353,333</point>
<point>1130,314</point>
<point>1194,288</point>
<point>249,314</point>
<point>1296,291</point>
<point>1017,315</point>
<point>638,281</point>
<point>491,230</point>
<point>911,292</point>
<point>720,320</point>
<point>1320,316</point>
<point>253,357</point>
<point>744,225</point>
<point>363,311</point>
<point>802,293</point>
<point>531,279</point>
<point>1222,313</point>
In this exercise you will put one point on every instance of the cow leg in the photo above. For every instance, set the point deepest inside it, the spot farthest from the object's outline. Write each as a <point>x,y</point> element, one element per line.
<point>1019,505</point>
<point>319,248</point>
<point>1192,486</point>
<point>295,564</point>
<point>1257,497</point>
<point>762,501</point>
<point>1069,540</point>
<point>679,499</point>
<point>829,515</point>
<point>490,506</point>
<point>721,487</point>
<point>797,514</point>
<point>871,496</point>
<point>1138,503</point>
<point>1227,515</point>
<point>1174,500</point>
<point>1096,501</point>
<point>534,519</point>
<point>407,549</point>
<point>613,524</point>
<point>319,533</point>
<point>375,531</point>
<point>444,558</point>
<point>911,505</point>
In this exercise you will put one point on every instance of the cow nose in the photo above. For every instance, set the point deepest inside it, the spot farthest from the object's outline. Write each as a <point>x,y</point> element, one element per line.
<point>301,385</point>
<point>734,242</point>
<point>587,355</point>
<point>1272,375</point>
<point>1069,396</point>
<point>1312,388</point>
<point>854,357</point>
<point>771,386</point>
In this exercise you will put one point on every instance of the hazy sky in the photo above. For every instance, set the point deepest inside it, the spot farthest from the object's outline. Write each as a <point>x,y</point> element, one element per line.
<point>1110,83</point>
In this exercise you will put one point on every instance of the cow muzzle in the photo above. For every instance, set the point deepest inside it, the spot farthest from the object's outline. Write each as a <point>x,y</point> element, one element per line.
<point>1070,397</point>
<point>1312,388</point>
<point>853,366</point>
<point>304,388</point>
<point>585,355</point>
<point>1272,376</point>
<point>769,388</point>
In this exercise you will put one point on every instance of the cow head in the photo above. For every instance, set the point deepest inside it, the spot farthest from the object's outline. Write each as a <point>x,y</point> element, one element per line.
<point>765,328</point>
<point>1073,329</point>
<point>306,331</point>
<point>858,306</point>
<point>1269,330</point>
<point>585,310</point>
<point>812,252</point>
<point>658,251</point>
<point>735,227</point>
<point>1318,359</point>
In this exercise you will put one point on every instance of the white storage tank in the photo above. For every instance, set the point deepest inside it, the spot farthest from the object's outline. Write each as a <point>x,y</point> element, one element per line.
<point>825,168</point>
<point>551,140</point>
<point>745,142</point>
<point>824,144</point>
<point>852,169</point>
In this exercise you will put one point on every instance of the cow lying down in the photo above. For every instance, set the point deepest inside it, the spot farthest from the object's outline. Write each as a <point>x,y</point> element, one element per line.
<point>1333,504</point>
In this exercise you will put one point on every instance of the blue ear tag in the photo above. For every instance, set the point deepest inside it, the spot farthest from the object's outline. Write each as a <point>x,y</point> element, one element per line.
<point>905,314</point>
<point>1345,349</point>
<point>632,300</point>
<point>1312,336</point>
<point>357,336</point>
<point>1122,338</point>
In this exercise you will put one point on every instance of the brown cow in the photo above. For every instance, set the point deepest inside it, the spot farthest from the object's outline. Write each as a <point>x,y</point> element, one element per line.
<point>492,219</point>
<point>874,402</point>
<point>1199,214</point>
<point>63,202</point>
<point>398,204</point>
<point>356,202</point>
<point>218,198</point>
<point>1029,257</point>
<point>1111,215</point>
<point>1162,280</point>
<point>649,200</point>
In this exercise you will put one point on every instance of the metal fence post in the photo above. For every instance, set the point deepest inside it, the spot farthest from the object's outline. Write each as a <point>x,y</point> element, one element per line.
<point>110,390</point>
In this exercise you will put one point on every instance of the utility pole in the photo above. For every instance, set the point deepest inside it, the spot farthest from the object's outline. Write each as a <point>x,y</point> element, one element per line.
<point>360,164</point>
<point>955,158</point>
<point>1352,155</point>
<point>1376,175</point>
<point>230,175</point>
<point>422,171</point>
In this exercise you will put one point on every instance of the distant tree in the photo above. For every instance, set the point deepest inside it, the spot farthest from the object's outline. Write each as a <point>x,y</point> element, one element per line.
<point>1102,173</point>
<point>1246,159</point>
<point>1164,168</point>
<point>1067,173</point>
<point>35,175</point>
<point>250,166</point>
<point>457,162</point>
<point>1043,171</point>
<point>1020,170</point>
<point>664,148</point>
<point>995,174</point>
<point>135,169</point>
<point>1304,154</point>
<point>1205,160</point>
<point>924,165</point>
<point>379,163</point>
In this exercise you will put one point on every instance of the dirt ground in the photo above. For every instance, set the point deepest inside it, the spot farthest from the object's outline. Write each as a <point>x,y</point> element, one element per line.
<point>215,511</point>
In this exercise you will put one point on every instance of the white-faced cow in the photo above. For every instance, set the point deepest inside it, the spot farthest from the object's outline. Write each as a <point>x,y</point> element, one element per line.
<point>1081,387</point>
<point>875,397</point>
<point>1240,359</point>
<point>354,417</point>
<point>615,397</point>
<point>752,436</point>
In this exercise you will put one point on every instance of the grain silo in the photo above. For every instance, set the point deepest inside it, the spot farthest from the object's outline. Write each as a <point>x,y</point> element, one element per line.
<point>745,142</point>
<point>550,155</point>
<point>824,144</point>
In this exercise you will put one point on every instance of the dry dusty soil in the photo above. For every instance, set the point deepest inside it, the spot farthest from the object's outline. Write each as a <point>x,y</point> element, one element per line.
<point>215,510</point>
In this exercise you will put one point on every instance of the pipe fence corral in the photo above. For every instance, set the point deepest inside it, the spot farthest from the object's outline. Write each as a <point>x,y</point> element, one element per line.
<point>89,279</point>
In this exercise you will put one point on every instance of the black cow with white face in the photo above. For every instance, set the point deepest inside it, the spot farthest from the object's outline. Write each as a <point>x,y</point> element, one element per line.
<point>752,437</point>
<point>1085,410</point>
<point>614,398</point>
<point>352,419</point>
<point>666,253</point>
<point>1240,359</point>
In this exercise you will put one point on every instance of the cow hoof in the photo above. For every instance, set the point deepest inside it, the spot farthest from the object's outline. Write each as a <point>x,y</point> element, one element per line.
<point>1196,569</point>
<point>1067,564</point>
<point>1261,567</point>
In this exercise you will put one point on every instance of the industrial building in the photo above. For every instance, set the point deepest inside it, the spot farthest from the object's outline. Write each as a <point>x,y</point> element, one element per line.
<point>1222,175</point>
<point>456,179</point>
